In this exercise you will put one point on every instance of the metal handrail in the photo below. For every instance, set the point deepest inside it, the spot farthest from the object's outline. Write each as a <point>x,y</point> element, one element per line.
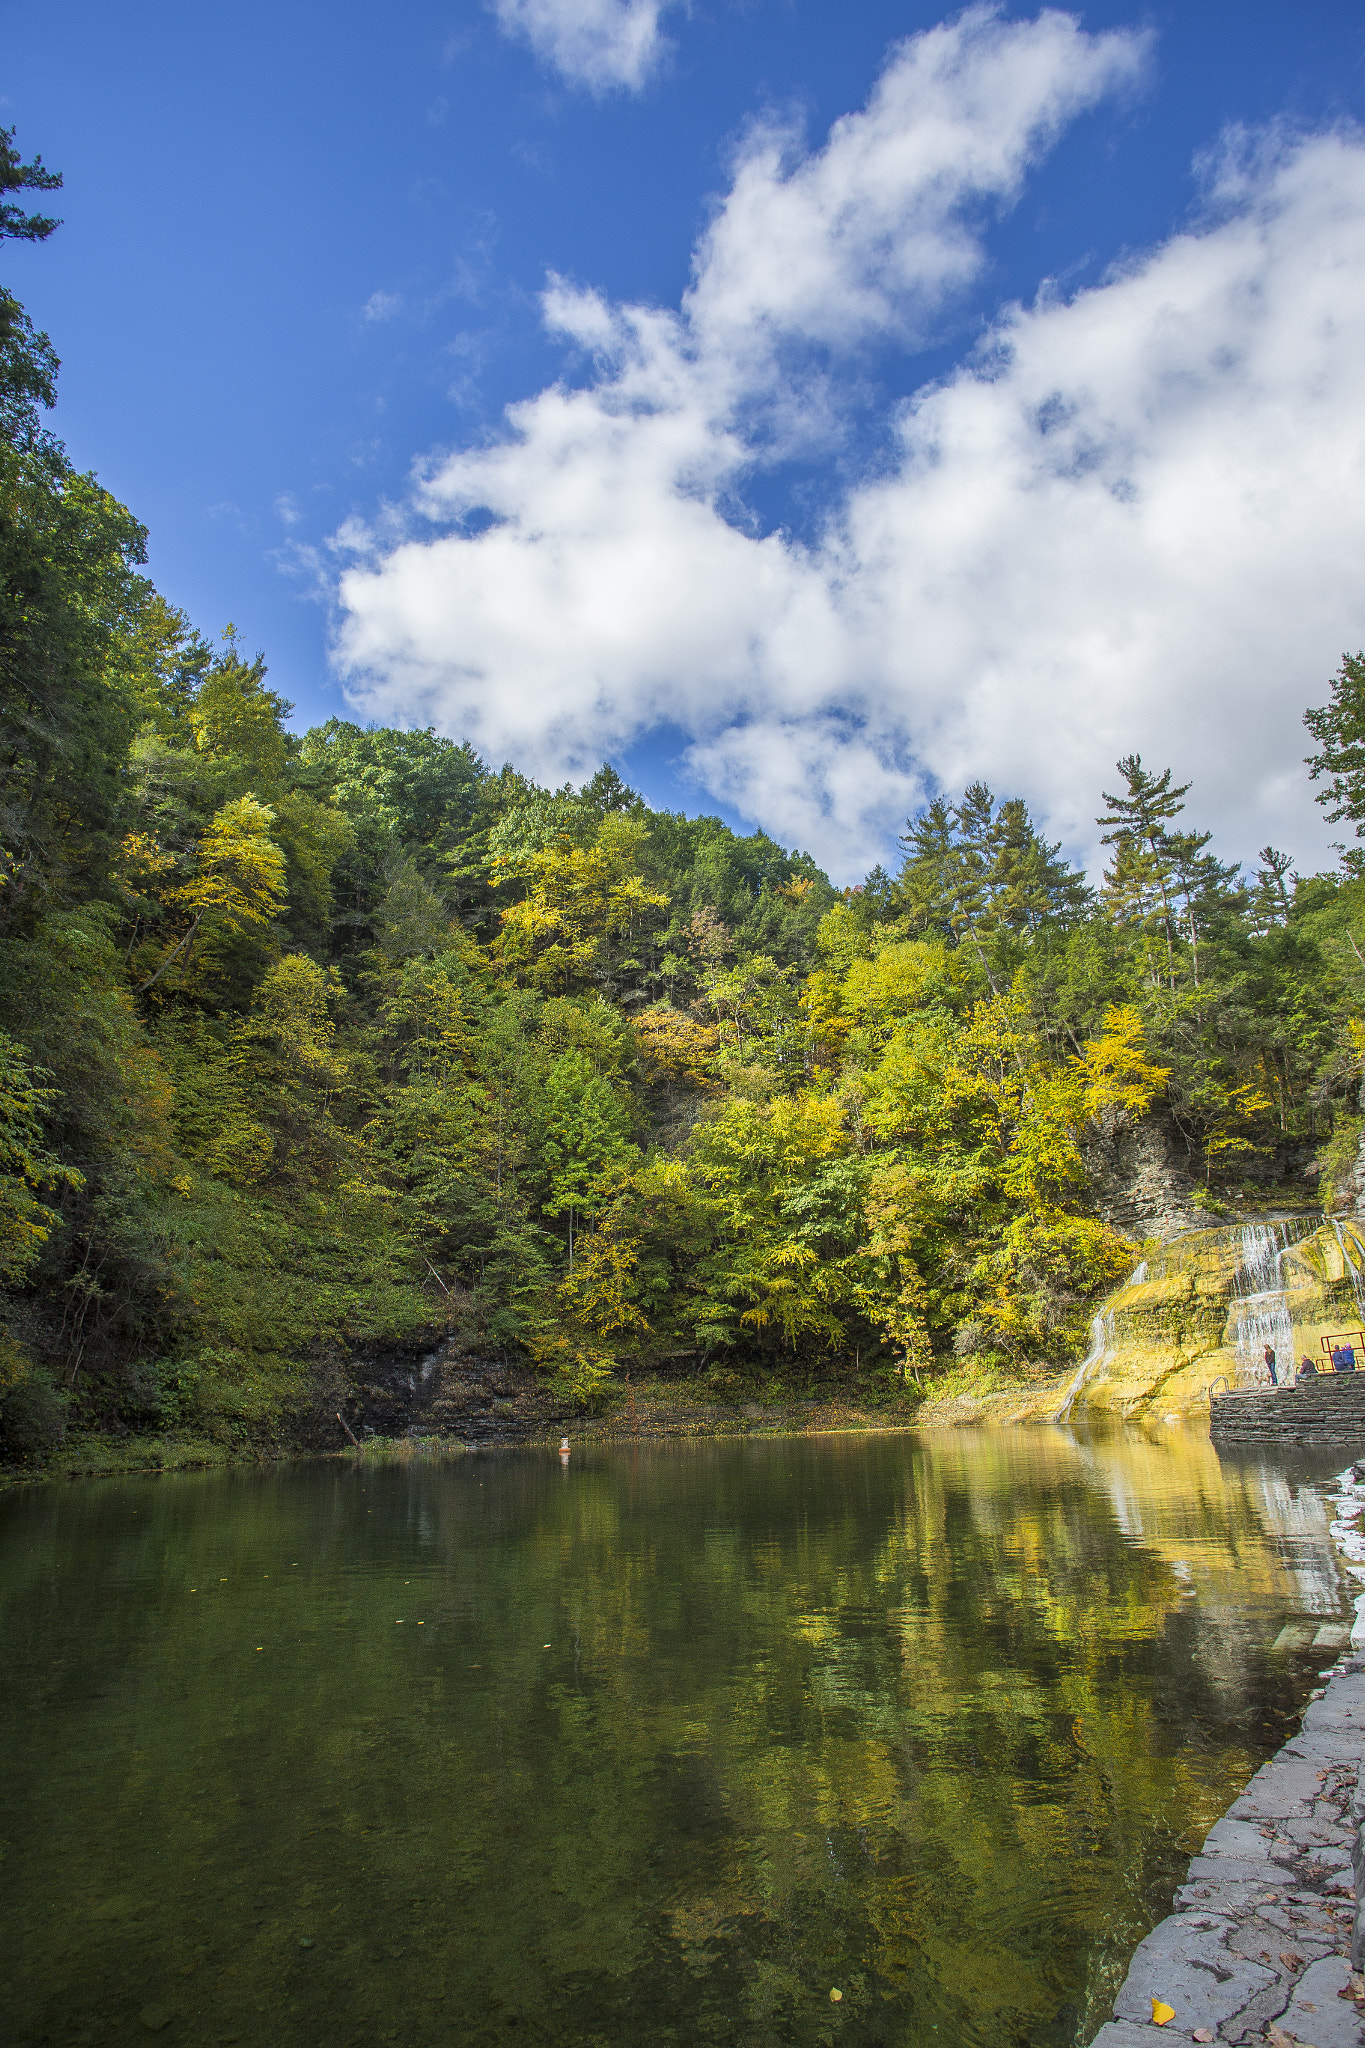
<point>1222,1381</point>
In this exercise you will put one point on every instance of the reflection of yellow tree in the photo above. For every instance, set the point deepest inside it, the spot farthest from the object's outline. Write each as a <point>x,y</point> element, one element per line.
<point>901,1715</point>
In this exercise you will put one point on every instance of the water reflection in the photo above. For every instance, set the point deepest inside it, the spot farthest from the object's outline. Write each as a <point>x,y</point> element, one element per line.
<point>662,1744</point>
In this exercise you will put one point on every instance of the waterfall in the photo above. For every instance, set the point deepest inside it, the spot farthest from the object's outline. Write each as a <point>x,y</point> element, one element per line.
<point>1260,1313</point>
<point>1210,1301</point>
<point>1101,1345</point>
<point>1350,1260</point>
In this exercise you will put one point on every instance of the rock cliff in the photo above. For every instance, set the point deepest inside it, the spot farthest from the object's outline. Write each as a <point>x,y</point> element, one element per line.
<point>1205,1305</point>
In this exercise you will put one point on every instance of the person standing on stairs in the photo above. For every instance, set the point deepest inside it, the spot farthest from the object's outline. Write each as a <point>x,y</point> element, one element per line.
<point>1270,1365</point>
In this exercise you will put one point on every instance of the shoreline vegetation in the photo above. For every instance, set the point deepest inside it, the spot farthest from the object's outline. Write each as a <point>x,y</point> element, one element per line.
<point>662,1410</point>
<point>320,1051</point>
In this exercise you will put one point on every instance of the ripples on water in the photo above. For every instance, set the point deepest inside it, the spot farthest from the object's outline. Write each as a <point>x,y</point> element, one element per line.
<point>661,1747</point>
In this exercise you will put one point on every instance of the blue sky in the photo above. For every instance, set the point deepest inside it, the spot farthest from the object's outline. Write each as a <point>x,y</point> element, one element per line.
<point>306,248</point>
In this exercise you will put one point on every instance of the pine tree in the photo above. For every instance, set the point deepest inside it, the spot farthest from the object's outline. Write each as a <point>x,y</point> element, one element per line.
<point>1339,729</point>
<point>1144,866</point>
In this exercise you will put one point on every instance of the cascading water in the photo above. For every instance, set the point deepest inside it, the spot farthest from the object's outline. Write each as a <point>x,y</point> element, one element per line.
<point>1205,1306</point>
<point>1350,1259</point>
<point>1101,1344</point>
<point>1259,1312</point>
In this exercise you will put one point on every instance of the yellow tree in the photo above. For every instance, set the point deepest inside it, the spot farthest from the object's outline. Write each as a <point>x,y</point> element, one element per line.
<point>238,882</point>
<point>987,1126</point>
<point>677,1052</point>
<point>1114,1070</point>
<point>594,1312</point>
<point>891,1292</point>
<point>785,1201</point>
<point>584,908</point>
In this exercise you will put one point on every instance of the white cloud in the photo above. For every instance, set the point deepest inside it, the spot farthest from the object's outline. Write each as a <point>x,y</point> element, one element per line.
<point>382,305</point>
<point>602,44</point>
<point>1139,520</point>
<point>870,235</point>
<point>1134,518</point>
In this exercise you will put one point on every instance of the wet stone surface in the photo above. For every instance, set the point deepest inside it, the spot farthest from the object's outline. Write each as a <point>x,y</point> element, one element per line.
<point>1259,1946</point>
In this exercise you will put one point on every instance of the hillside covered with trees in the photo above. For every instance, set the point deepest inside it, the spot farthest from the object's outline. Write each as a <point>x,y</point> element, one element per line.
<point>313,1042</point>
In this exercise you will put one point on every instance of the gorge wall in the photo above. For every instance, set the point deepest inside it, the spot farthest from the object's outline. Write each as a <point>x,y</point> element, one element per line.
<point>1203,1306</point>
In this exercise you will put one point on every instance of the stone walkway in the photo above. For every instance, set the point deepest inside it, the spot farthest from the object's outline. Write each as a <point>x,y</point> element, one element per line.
<point>1266,1937</point>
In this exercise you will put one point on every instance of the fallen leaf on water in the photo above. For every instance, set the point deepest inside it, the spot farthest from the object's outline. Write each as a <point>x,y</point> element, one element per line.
<point>1161,2014</point>
<point>835,1996</point>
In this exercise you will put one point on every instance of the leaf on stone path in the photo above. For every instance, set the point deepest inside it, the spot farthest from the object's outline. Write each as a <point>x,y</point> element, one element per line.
<point>1161,2014</point>
<point>1290,1960</point>
<point>1201,2034</point>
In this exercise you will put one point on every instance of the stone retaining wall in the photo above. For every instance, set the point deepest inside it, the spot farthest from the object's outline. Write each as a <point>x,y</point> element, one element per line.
<point>1327,1411</point>
<point>1267,1939</point>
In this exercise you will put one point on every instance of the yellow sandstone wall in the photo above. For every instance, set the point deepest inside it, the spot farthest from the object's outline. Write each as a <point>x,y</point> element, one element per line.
<point>1170,1330</point>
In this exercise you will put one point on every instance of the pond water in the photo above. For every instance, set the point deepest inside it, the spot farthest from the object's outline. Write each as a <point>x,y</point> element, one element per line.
<point>664,1745</point>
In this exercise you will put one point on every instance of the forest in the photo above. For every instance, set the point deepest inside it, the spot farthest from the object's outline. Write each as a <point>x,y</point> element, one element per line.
<point>312,1041</point>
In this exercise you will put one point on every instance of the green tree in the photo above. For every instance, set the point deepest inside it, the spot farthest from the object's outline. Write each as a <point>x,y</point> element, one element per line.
<point>27,1165</point>
<point>586,1139</point>
<point>15,176</point>
<point>234,717</point>
<point>28,364</point>
<point>1339,729</point>
<point>69,592</point>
